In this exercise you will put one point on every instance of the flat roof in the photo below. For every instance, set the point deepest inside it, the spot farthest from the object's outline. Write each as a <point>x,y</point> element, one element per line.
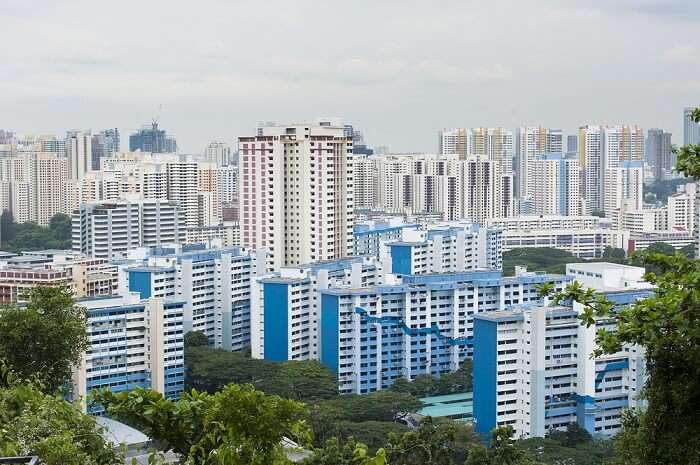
<point>597,266</point>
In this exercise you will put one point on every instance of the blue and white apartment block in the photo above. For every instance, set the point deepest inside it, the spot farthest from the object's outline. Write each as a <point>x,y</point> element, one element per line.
<point>214,283</point>
<point>533,368</point>
<point>286,327</point>
<point>421,324</point>
<point>133,343</point>
<point>446,247</point>
<point>370,235</point>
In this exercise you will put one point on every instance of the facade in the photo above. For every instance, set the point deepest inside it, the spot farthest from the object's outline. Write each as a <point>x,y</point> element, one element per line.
<point>218,153</point>
<point>227,234</point>
<point>454,142</point>
<point>297,192</point>
<point>624,187</point>
<point>681,208</point>
<point>110,229</point>
<point>551,222</point>
<point>534,368</point>
<point>366,182</point>
<point>445,248</point>
<point>78,153</point>
<point>286,325</point>
<point>373,335</point>
<point>103,144</point>
<point>16,282</point>
<point>33,186</point>
<point>531,143</point>
<point>583,243</point>
<point>639,241</point>
<point>133,343</point>
<point>153,140</point>
<point>691,129</point>
<point>602,148</point>
<point>214,284</point>
<point>659,153</point>
<point>370,235</point>
<point>554,184</point>
<point>647,219</point>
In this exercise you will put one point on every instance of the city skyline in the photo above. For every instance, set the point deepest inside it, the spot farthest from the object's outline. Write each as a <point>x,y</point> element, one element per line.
<point>217,87</point>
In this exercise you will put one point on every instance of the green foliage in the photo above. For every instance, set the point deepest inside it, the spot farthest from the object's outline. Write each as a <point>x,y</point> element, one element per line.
<point>61,227</point>
<point>45,339</point>
<point>553,452</point>
<point>31,236</point>
<point>426,385</point>
<point>538,259</point>
<point>350,453</point>
<point>195,339</point>
<point>572,436</point>
<point>34,423</point>
<point>236,426</point>
<point>8,228</point>
<point>432,443</point>
<point>614,254</point>
<point>209,370</point>
<point>667,325</point>
<point>372,433</point>
<point>345,415</point>
<point>575,446</point>
<point>659,191</point>
<point>502,451</point>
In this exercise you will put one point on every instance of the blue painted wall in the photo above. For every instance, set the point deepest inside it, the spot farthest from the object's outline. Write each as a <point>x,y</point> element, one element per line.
<point>401,262</point>
<point>276,310</point>
<point>140,281</point>
<point>485,348</point>
<point>329,331</point>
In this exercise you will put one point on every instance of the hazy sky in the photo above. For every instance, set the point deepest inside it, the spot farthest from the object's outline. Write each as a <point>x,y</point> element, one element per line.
<point>397,69</point>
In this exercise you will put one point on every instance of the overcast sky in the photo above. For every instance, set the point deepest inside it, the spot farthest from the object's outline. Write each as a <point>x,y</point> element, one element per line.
<point>397,69</point>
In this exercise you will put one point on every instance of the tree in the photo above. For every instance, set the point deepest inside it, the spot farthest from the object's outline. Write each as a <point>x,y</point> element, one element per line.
<point>61,227</point>
<point>614,254</point>
<point>307,380</point>
<point>209,369</point>
<point>8,229</point>
<point>667,325</point>
<point>432,443</point>
<point>572,436</point>
<point>350,453</point>
<point>689,250</point>
<point>45,339</point>
<point>236,426</point>
<point>502,451</point>
<point>196,339</point>
<point>34,423</point>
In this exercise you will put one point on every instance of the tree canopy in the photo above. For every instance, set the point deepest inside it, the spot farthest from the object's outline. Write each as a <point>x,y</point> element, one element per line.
<point>31,236</point>
<point>35,423</point>
<point>238,425</point>
<point>43,340</point>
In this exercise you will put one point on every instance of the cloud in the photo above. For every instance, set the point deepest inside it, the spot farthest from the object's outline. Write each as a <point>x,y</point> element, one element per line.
<point>681,53</point>
<point>397,70</point>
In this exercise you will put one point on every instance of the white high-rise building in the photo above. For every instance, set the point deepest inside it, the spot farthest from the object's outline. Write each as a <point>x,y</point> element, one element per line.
<point>494,143</point>
<point>454,142</point>
<point>365,183</point>
<point>79,153</point>
<point>110,229</point>
<point>602,148</point>
<point>531,142</point>
<point>33,186</point>
<point>624,187</point>
<point>297,192</point>
<point>554,185</point>
<point>681,208</point>
<point>218,153</point>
